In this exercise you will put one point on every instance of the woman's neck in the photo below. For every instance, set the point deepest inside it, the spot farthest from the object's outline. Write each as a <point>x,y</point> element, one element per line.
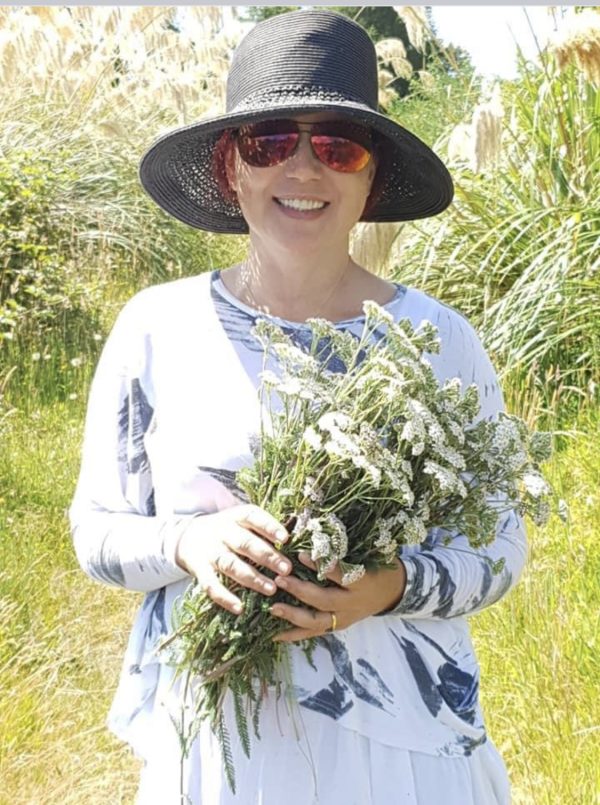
<point>289,285</point>
<point>293,288</point>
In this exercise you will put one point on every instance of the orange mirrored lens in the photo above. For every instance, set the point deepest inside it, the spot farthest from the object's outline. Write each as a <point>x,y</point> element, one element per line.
<point>271,142</point>
<point>340,154</point>
<point>267,150</point>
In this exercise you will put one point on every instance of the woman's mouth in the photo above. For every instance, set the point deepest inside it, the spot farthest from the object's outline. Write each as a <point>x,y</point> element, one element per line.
<point>302,205</point>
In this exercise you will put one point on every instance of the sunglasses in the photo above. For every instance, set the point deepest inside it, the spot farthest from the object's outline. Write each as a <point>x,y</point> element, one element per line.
<point>340,145</point>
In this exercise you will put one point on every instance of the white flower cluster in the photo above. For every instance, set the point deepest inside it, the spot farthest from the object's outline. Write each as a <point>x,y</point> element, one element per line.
<point>535,485</point>
<point>447,481</point>
<point>312,438</point>
<point>363,451</point>
<point>385,447</point>
<point>328,538</point>
<point>351,573</point>
<point>386,542</point>
<point>408,527</point>
<point>344,446</point>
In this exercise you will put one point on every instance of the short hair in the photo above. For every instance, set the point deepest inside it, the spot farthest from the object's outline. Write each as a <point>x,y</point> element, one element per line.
<point>219,171</point>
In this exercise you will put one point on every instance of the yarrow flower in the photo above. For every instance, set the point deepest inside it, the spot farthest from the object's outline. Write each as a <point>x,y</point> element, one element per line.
<point>312,438</point>
<point>358,463</point>
<point>535,484</point>
<point>351,573</point>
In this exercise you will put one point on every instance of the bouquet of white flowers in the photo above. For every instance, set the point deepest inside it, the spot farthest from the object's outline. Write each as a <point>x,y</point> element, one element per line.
<point>355,463</point>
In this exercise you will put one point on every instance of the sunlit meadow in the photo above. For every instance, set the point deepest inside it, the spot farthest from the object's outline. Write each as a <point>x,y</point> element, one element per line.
<point>83,91</point>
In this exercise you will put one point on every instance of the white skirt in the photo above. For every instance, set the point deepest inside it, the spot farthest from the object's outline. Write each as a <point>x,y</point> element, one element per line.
<point>308,759</point>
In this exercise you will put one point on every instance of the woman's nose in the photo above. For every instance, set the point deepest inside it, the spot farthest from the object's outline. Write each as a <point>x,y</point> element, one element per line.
<point>303,161</point>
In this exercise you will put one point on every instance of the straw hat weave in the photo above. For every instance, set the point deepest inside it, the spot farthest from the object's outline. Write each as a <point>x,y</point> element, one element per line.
<point>303,61</point>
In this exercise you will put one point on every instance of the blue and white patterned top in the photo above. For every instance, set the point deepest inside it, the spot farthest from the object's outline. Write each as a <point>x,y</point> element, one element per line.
<point>172,408</point>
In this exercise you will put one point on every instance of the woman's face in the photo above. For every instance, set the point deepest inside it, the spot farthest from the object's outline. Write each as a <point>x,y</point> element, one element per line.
<point>261,191</point>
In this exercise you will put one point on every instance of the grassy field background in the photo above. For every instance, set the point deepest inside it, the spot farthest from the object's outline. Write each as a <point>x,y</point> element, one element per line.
<point>83,91</point>
<point>63,637</point>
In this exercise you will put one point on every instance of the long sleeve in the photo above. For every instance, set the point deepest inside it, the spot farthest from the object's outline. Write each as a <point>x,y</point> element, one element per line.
<point>117,536</point>
<point>448,581</point>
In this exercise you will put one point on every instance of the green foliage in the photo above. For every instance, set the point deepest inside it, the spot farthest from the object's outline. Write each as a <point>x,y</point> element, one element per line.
<point>517,253</point>
<point>60,662</point>
<point>225,744</point>
<point>259,13</point>
<point>241,721</point>
<point>439,100</point>
<point>78,236</point>
<point>39,281</point>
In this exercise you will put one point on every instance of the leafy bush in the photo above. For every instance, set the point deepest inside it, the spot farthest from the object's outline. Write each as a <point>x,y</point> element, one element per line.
<point>518,250</point>
<point>78,235</point>
<point>39,281</point>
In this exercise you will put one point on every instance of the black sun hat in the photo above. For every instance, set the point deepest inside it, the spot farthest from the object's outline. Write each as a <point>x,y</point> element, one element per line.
<point>290,64</point>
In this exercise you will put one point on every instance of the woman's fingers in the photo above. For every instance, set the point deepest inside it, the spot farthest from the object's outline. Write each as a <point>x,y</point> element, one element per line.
<point>212,547</point>
<point>235,568</point>
<point>262,523</point>
<point>219,593</point>
<point>309,622</point>
<point>327,599</point>
<point>256,548</point>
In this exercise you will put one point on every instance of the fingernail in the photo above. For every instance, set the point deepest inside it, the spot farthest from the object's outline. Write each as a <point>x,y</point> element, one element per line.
<point>237,608</point>
<point>269,586</point>
<point>275,611</point>
<point>283,567</point>
<point>281,534</point>
<point>282,583</point>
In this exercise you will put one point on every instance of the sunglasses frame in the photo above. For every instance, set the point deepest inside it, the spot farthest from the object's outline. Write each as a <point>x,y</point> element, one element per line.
<point>337,129</point>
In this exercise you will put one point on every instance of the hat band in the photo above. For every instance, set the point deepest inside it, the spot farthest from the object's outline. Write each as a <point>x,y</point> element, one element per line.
<point>293,95</point>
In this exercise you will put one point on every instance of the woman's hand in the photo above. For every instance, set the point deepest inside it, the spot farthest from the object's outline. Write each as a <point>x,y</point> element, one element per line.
<point>375,592</point>
<point>213,543</point>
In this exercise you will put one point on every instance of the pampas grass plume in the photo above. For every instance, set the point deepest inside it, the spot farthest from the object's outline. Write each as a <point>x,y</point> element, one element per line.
<point>417,26</point>
<point>393,52</point>
<point>478,144</point>
<point>578,42</point>
<point>371,245</point>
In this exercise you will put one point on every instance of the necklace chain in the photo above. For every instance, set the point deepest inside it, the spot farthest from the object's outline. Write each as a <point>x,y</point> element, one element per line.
<point>247,295</point>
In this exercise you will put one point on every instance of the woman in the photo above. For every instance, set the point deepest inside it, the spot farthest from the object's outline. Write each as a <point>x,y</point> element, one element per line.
<point>389,712</point>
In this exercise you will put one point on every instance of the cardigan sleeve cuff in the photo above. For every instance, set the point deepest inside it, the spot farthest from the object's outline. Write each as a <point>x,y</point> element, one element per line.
<point>419,577</point>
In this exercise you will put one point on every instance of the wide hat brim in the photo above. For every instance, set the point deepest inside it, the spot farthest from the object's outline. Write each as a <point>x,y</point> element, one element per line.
<point>177,172</point>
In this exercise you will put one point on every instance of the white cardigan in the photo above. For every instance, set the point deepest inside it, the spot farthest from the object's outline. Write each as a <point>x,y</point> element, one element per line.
<point>171,410</point>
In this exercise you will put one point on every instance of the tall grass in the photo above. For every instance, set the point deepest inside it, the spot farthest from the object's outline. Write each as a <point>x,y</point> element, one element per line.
<point>538,649</point>
<point>60,637</point>
<point>83,92</point>
<point>518,251</point>
<point>63,637</point>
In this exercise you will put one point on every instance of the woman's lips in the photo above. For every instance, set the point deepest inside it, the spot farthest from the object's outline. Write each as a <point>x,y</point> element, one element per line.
<point>301,214</point>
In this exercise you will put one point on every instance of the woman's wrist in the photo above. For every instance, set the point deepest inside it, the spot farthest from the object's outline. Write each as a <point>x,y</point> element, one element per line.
<point>181,539</point>
<point>397,588</point>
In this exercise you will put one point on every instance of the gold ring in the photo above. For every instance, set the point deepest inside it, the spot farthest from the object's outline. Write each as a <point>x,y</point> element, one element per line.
<point>333,626</point>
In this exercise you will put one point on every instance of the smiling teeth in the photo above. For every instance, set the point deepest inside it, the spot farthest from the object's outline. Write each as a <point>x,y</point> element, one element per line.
<point>301,204</point>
